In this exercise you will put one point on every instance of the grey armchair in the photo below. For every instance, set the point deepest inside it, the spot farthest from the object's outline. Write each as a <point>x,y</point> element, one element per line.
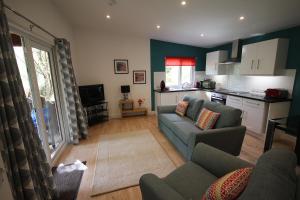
<point>273,177</point>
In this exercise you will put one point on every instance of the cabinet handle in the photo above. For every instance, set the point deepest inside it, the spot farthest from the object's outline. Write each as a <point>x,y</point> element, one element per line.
<point>232,99</point>
<point>252,64</point>
<point>257,104</point>
<point>258,62</point>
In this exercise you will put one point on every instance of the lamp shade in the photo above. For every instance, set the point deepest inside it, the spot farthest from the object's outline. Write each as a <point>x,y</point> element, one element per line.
<point>125,89</point>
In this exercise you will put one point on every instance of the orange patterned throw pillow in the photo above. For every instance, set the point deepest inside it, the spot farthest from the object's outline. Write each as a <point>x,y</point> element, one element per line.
<point>207,119</point>
<point>230,186</point>
<point>181,108</point>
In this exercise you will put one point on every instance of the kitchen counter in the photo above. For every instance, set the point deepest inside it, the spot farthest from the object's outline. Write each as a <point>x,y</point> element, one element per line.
<point>236,94</point>
<point>183,90</point>
<point>248,95</point>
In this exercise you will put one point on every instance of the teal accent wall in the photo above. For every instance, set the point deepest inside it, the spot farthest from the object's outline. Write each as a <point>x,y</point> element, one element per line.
<point>293,59</point>
<point>160,49</point>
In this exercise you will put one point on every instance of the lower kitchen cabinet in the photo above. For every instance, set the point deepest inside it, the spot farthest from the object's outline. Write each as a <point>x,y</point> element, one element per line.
<point>172,98</point>
<point>254,115</point>
<point>205,95</point>
<point>257,113</point>
<point>168,98</point>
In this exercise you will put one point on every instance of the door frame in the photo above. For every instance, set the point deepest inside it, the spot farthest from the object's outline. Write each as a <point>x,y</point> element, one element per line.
<point>29,42</point>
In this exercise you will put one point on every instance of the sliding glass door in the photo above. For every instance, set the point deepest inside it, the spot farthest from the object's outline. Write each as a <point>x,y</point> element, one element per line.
<point>39,78</point>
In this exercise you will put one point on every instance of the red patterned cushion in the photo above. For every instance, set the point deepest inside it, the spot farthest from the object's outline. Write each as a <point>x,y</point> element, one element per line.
<point>207,119</point>
<point>182,107</point>
<point>230,186</point>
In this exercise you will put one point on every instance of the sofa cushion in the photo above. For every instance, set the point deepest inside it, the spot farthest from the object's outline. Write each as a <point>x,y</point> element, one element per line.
<point>229,117</point>
<point>194,108</point>
<point>230,186</point>
<point>181,108</point>
<point>185,130</point>
<point>190,180</point>
<point>207,119</point>
<point>273,177</point>
<point>166,118</point>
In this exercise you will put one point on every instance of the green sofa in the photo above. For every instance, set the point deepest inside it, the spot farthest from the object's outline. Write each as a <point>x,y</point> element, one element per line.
<point>273,177</point>
<point>228,134</point>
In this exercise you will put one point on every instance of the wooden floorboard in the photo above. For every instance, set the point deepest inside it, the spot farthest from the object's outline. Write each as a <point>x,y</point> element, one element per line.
<point>86,151</point>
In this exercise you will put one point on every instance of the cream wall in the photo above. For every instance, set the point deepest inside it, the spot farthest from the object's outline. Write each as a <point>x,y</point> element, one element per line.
<point>94,55</point>
<point>45,14</point>
<point>93,52</point>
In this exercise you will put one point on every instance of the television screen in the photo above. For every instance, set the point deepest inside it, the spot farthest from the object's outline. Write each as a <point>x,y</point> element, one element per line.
<point>91,94</point>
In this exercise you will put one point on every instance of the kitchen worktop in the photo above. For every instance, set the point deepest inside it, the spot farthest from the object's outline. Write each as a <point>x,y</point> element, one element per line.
<point>228,92</point>
<point>183,90</point>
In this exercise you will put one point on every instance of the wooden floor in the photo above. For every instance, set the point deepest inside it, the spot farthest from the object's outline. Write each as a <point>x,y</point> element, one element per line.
<point>86,151</point>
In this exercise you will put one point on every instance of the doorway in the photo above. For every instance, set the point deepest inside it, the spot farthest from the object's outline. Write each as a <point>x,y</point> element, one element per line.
<point>40,82</point>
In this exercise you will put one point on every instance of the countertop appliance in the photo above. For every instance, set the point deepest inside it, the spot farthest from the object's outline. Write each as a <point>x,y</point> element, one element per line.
<point>218,98</point>
<point>277,93</point>
<point>208,84</point>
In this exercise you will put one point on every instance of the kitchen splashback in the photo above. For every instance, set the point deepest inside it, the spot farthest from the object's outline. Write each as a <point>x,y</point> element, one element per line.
<point>255,83</point>
<point>243,83</point>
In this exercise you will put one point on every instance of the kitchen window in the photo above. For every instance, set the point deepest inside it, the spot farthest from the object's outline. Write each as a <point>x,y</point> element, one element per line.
<point>179,71</point>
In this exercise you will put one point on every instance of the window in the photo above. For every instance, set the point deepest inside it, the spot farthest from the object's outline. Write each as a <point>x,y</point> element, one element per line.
<point>179,71</point>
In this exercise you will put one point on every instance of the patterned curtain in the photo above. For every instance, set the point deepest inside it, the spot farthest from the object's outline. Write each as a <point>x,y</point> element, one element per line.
<point>75,113</point>
<point>25,161</point>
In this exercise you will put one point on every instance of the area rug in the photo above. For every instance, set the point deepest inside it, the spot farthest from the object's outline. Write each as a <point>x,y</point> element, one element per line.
<point>124,157</point>
<point>67,179</point>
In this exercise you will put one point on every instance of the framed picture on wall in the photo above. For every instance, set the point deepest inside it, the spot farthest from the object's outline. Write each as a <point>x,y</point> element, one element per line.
<point>139,76</point>
<point>121,66</point>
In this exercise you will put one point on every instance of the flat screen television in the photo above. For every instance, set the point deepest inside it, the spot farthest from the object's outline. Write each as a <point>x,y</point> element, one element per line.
<point>91,94</point>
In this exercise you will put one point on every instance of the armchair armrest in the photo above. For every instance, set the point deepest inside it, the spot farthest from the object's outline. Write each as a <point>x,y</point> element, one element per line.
<point>153,187</point>
<point>166,109</point>
<point>229,139</point>
<point>216,161</point>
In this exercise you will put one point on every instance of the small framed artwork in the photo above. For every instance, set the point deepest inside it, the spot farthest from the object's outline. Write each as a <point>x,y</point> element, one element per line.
<point>121,66</point>
<point>139,76</point>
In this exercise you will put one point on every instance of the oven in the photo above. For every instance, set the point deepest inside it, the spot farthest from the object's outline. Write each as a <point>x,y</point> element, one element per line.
<point>218,98</point>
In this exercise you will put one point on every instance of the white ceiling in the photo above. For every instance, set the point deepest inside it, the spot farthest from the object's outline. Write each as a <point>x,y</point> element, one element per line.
<point>217,19</point>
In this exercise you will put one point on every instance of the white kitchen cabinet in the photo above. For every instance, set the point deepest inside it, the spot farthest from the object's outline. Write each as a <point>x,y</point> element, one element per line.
<point>212,63</point>
<point>186,93</point>
<point>169,98</point>
<point>235,102</point>
<point>205,95</point>
<point>172,98</point>
<point>264,58</point>
<point>254,115</point>
<point>248,58</point>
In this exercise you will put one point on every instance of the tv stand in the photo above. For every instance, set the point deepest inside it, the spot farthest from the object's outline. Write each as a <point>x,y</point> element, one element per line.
<point>97,112</point>
<point>127,108</point>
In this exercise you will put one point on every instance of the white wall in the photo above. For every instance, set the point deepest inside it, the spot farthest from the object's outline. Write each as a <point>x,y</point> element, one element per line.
<point>94,54</point>
<point>45,14</point>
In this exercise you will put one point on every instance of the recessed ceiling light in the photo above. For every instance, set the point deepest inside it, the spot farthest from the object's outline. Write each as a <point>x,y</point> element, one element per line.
<point>242,18</point>
<point>183,3</point>
<point>107,16</point>
<point>202,35</point>
<point>158,26</point>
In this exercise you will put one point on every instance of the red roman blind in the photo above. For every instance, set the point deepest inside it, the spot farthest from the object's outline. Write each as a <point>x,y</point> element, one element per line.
<point>180,61</point>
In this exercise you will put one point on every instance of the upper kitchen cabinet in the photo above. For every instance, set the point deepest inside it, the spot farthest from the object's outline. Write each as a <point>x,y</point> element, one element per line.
<point>212,63</point>
<point>264,58</point>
